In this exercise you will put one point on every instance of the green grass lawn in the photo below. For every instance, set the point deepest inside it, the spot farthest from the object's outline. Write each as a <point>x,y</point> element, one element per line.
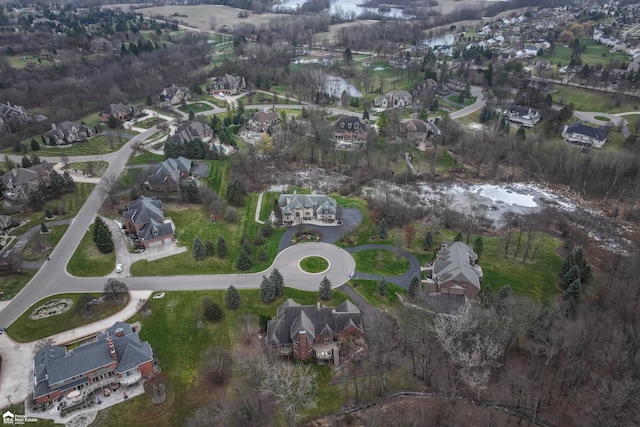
<point>40,245</point>
<point>196,107</point>
<point>145,158</point>
<point>88,261</point>
<point>314,264</point>
<point>588,100</point>
<point>267,204</point>
<point>27,330</point>
<point>381,261</point>
<point>218,177</point>
<point>69,202</point>
<point>595,53</point>
<point>96,145</point>
<point>368,290</point>
<point>12,284</point>
<point>95,168</point>
<point>179,352</point>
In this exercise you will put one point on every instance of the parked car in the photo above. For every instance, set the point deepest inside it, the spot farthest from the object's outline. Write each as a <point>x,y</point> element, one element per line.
<point>118,268</point>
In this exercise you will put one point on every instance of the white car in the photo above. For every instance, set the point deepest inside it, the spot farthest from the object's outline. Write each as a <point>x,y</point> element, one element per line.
<point>118,268</point>
<point>221,95</point>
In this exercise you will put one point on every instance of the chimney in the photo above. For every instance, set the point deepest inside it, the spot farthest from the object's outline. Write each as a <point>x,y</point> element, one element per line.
<point>112,349</point>
<point>53,126</point>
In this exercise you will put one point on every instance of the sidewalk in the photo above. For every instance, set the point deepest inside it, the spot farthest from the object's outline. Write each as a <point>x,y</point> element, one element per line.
<point>16,376</point>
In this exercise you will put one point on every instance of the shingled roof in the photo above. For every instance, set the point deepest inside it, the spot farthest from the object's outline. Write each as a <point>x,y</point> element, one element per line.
<point>591,132</point>
<point>320,203</point>
<point>454,263</point>
<point>170,168</point>
<point>148,217</point>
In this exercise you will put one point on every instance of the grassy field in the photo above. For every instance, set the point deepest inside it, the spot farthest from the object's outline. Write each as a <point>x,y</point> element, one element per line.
<point>96,145</point>
<point>27,330</point>
<point>314,264</point>
<point>11,285</point>
<point>368,290</point>
<point>588,100</point>
<point>179,353</point>
<point>145,158</point>
<point>70,203</point>
<point>267,204</point>
<point>40,245</point>
<point>218,177</point>
<point>196,107</point>
<point>88,261</point>
<point>595,53</point>
<point>380,261</point>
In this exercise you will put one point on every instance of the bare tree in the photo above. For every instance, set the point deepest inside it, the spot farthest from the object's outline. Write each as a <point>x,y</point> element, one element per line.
<point>247,328</point>
<point>109,186</point>
<point>64,159</point>
<point>115,288</point>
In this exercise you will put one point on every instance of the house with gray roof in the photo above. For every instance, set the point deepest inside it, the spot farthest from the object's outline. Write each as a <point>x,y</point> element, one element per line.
<point>305,331</point>
<point>12,117</point>
<point>415,130</point>
<point>69,133</point>
<point>19,182</point>
<point>167,175</point>
<point>119,111</point>
<point>115,358</point>
<point>583,135</point>
<point>525,116</point>
<point>455,270</point>
<point>351,129</point>
<point>145,218</point>
<point>227,84</point>
<point>393,99</point>
<point>298,208</point>
<point>190,131</point>
<point>175,94</point>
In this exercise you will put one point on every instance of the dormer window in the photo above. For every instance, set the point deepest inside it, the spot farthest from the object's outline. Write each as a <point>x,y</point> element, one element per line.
<point>342,125</point>
<point>356,126</point>
<point>349,125</point>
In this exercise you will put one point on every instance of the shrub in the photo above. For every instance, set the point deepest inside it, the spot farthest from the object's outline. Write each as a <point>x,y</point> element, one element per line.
<point>212,311</point>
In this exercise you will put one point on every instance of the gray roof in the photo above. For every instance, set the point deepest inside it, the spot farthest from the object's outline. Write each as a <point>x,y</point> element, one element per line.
<point>190,131</point>
<point>352,123</point>
<point>54,365</point>
<point>416,125</point>
<point>63,129</point>
<point>147,212</point>
<point>293,318</point>
<point>170,168</point>
<point>29,177</point>
<point>454,263</point>
<point>518,110</point>
<point>589,131</point>
<point>116,109</point>
<point>320,203</point>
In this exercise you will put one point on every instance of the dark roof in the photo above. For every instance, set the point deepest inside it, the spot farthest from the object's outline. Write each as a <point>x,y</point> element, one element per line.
<point>589,131</point>
<point>320,203</point>
<point>170,168</point>
<point>147,213</point>
<point>116,109</point>
<point>521,111</point>
<point>190,131</point>
<point>293,318</point>
<point>351,123</point>
<point>445,303</point>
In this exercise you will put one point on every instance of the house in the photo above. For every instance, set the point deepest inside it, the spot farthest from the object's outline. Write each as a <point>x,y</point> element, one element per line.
<point>101,44</point>
<point>429,86</point>
<point>119,111</point>
<point>351,129</point>
<point>115,358</point>
<point>190,131</point>
<point>19,182</point>
<point>12,117</point>
<point>525,116</point>
<point>69,132</point>
<point>261,121</point>
<point>455,270</point>
<point>227,84</point>
<point>297,208</point>
<point>167,175</point>
<point>305,331</point>
<point>145,218</point>
<point>415,130</point>
<point>175,94</point>
<point>583,135</point>
<point>393,99</point>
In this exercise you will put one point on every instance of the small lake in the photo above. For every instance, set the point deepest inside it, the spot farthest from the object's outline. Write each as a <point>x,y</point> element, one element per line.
<point>335,85</point>
<point>343,7</point>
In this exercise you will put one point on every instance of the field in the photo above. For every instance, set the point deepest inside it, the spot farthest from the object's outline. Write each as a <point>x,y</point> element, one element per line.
<point>11,285</point>
<point>40,245</point>
<point>96,145</point>
<point>595,53</point>
<point>588,100</point>
<point>380,261</point>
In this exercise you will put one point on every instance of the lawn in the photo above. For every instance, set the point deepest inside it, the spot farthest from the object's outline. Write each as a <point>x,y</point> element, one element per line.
<point>268,199</point>
<point>196,107</point>
<point>381,261</point>
<point>27,330</point>
<point>95,146</point>
<point>179,352</point>
<point>95,168</point>
<point>595,53</point>
<point>588,100</point>
<point>368,290</point>
<point>146,158</point>
<point>314,264</point>
<point>40,245</point>
<point>88,261</point>
<point>70,203</point>
<point>12,284</point>
<point>218,177</point>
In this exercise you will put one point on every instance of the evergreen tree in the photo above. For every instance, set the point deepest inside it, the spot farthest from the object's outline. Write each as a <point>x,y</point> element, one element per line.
<point>69,183</point>
<point>112,122</point>
<point>34,159</point>
<point>244,262</point>
<point>209,248</point>
<point>212,311</point>
<point>221,247</point>
<point>569,262</point>
<point>414,288</point>
<point>458,237</point>
<point>26,162</point>
<point>35,200</point>
<point>381,288</point>
<point>232,297</point>
<point>235,192</point>
<point>365,114</point>
<point>102,236</point>
<point>573,290</point>
<point>384,229</point>
<point>583,264</point>
<point>278,281</point>
<point>56,182</point>
<point>324,291</point>
<point>34,145</point>
<point>267,290</point>
<point>43,228</point>
<point>521,133</point>
<point>427,242</point>
<point>267,229</point>
<point>570,276</point>
<point>478,245</point>
<point>197,250</point>
<point>189,192</point>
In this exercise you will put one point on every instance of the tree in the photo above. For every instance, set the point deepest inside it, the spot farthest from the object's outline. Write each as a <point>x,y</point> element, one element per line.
<point>56,182</point>
<point>35,200</point>
<point>277,281</point>
<point>192,115</point>
<point>109,187</point>
<point>458,237</point>
<point>197,250</point>
<point>267,229</point>
<point>64,159</point>
<point>112,122</point>
<point>232,297</point>
<point>221,247</point>
<point>102,236</point>
<point>115,289</point>
<point>235,192</point>
<point>43,228</point>
<point>414,288</point>
<point>521,133</point>
<point>325,292</point>
<point>26,162</point>
<point>427,242</point>
<point>381,288</point>
<point>365,114</point>
<point>293,388</point>
<point>209,248</point>
<point>478,245</point>
<point>383,228</point>
<point>409,234</point>
<point>570,276</point>
<point>34,145</point>
<point>267,290</point>
<point>244,262</point>
<point>347,56</point>
<point>212,311</point>
<point>383,123</point>
<point>189,192</point>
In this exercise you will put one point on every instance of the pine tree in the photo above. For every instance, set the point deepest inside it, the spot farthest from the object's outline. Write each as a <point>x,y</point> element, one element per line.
<point>235,192</point>
<point>102,236</point>
<point>414,288</point>
<point>427,242</point>
<point>221,247</point>
<point>478,245</point>
<point>43,228</point>
<point>209,248</point>
<point>458,237</point>
<point>573,290</point>
<point>384,229</point>
<point>232,297</point>
<point>324,291</point>
<point>583,264</point>
<point>381,289</point>
<point>212,311</point>
<point>570,276</point>
<point>278,281</point>
<point>34,145</point>
<point>244,262</point>
<point>197,250</point>
<point>267,229</point>
<point>267,290</point>
<point>569,262</point>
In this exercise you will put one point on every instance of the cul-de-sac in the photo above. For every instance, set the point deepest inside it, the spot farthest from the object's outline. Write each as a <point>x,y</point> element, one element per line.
<point>320,213</point>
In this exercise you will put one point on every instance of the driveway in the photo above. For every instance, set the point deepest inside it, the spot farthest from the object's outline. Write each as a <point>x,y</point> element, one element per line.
<point>367,311</point>
<point>403,280</point>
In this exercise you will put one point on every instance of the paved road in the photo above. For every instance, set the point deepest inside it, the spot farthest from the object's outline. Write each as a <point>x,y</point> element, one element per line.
<point>403,280</point>
<point>479,104</point>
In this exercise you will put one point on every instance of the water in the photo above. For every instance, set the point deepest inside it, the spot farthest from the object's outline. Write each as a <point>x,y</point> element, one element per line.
<point>446,40</point>
<point>344,7</point>
<point>334,86</point>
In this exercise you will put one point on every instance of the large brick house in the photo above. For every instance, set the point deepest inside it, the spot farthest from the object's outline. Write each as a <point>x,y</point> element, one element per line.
<point>227,84</point>
<point>455,270</point>
<point>351,129</point>
<point>69,132</point>
<point>145,218</point>
<point>298,208</point>
<point>304,331</point>
<point>116,357</point>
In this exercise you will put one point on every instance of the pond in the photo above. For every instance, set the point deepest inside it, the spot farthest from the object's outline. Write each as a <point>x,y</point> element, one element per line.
<point>334,86</point>
<point>344,8</point>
